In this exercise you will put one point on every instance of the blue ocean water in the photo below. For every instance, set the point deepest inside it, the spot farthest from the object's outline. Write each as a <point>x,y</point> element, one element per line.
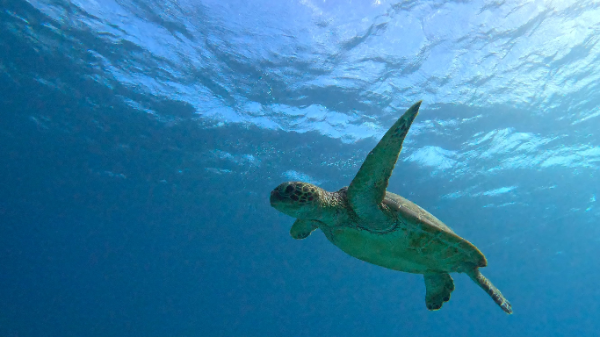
<point>139,141</point>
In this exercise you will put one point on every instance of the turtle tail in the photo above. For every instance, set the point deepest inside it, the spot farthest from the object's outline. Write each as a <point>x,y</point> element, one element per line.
<point>489,288</point>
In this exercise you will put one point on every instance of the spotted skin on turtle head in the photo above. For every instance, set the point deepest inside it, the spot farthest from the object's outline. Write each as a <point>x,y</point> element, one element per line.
<point>297,191</point>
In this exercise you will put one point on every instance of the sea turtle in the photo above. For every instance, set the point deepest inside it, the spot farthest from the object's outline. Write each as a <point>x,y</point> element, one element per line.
<point>374,225</point>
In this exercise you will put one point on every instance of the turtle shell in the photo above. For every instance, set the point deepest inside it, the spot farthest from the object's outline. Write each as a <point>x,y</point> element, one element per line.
<point>431,236</point>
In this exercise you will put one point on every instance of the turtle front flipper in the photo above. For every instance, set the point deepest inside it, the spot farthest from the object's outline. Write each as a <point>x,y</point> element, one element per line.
<point>367,190</point>
<point>489,288</point>
<point>301,229</point>
<point>438,287</point>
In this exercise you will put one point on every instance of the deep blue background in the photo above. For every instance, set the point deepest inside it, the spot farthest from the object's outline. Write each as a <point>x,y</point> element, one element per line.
<point>139,142</point>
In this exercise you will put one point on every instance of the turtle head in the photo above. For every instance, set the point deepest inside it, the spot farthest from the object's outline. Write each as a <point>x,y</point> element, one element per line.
<point>297,199</point>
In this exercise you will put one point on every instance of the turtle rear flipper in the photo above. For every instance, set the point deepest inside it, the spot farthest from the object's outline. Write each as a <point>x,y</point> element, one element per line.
<point>438,287</point>
<point>489,288</point>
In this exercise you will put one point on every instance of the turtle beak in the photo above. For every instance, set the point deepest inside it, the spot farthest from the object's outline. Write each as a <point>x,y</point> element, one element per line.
<point>275,197</point>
